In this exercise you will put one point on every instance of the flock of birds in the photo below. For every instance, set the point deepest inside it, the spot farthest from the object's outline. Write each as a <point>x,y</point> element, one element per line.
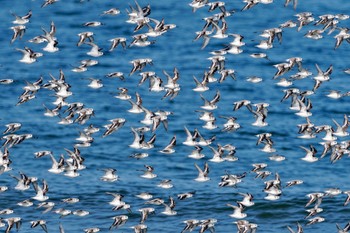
<point>146,30</point>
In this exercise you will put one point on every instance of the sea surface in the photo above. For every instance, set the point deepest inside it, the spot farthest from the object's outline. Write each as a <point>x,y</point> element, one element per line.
<point>175,48</point>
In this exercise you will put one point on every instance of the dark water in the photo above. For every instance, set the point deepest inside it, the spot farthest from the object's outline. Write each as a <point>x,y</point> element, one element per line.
<point>175,48</point>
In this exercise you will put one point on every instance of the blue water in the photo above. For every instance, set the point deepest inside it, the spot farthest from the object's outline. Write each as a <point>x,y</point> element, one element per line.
<point>175,48</point>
